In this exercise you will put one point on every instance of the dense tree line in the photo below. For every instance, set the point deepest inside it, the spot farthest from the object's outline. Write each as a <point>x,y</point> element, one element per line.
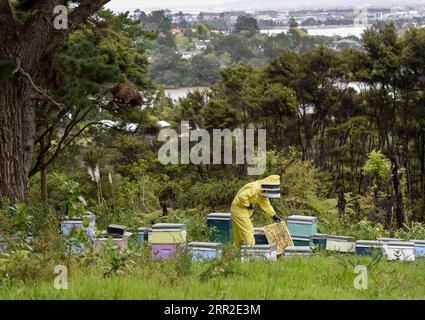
<point>338,108</point>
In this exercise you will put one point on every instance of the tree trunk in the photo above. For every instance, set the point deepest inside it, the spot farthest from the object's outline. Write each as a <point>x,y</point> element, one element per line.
<point>395,177</point>
<point>43,176</point>
<point>16,139</point>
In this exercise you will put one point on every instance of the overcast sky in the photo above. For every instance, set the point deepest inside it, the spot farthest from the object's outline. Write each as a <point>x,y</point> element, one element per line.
<point>134,4</point>
<point>122,5</point>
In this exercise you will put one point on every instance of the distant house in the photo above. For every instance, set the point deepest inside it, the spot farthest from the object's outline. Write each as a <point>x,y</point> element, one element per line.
<point>187,55</point>
<point>176,30</point>
<point>345,43</point>
<point>200,45</point>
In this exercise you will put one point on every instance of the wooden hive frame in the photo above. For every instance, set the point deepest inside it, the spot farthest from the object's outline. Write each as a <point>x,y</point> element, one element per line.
<point>278,234</point>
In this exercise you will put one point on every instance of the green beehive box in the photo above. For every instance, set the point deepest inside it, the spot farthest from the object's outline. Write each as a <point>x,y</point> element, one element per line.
<point>221,227</point>
<point>302,226</point>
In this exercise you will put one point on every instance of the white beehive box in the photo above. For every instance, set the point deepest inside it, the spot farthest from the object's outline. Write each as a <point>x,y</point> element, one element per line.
<point>401,251</point>
<point>265,251</point>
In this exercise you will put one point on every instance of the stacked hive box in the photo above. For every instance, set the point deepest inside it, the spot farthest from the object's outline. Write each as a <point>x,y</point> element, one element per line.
<point>300,241</point>
<point>367,248</point>
<point>302,230</point>
<point>401,251</point>
<point>319,241</point>
<point>140,237</point>
<point>297,251</point>
<point>260,236</point>
<point>116,234</point>
<point>221,225</point>
<point>264,251</point>
<point>68,226</point>
<point>202,251</point>
<point>419,248</point>
<point>167,239</point>
<point>341,244</point>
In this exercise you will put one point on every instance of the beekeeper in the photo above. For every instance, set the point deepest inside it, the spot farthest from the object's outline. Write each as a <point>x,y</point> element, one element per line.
<point>253,193</point>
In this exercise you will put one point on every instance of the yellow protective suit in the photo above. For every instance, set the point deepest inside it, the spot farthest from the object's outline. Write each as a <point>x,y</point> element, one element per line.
<point>243,230</point>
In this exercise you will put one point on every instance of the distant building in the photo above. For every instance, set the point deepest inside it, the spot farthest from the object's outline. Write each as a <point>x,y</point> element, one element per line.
<point>187,55</point>
<point>176,30</point>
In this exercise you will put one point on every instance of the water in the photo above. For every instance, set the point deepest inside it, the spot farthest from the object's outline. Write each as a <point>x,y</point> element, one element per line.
<point>325,31</point>
<point>176,94</point>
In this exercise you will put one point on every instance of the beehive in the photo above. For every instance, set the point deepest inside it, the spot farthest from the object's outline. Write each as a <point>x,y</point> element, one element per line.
<point>67,227</point>
<point>169,233</point>
<point>260,236</point>
<point>264,251</point>
<point>384,242</point>
<point>401,251</point>
<point>201,251</point>
<point>297,251</point>
<point>367,247</point>
<point>302,241</point>
<point>319,241</point>
<point>140,237</point>
<point>118,242</point>
<point>150,235</point>
<point>221,225</point>
<point>341,244</point>
<point>419,248</point>
<point>116,229</point>
<point>165,251</point>
<point>302,226</point>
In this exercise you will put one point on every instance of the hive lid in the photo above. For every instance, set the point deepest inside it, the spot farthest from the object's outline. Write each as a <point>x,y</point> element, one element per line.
<point>368,243</point>
<point>297,249</point>
<point>259,231</point>
<point>168,227</point>
<point>209,245</point>
<point>260,247</point>
<point>340,238</point>
<point>218,215</point>
<point>319,236</point>
<point>116,229</point>
<point>302,219</point>
<point>419,242</point>
<point>401,244</point>
<point>389,239</point>
<point>72,222</point>
<point>301,238</point>
<point>143,229</point>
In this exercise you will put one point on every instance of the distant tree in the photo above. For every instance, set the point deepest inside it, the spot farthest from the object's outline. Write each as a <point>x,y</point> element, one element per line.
<point>246,23</point>
<point>293,23</point>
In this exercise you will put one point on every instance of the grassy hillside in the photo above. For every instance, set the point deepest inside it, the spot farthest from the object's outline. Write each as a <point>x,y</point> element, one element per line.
<point>320,277</point>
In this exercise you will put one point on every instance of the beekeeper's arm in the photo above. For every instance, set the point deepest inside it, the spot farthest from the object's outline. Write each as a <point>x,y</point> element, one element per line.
<point>267,207</point>
<point>245,196</point>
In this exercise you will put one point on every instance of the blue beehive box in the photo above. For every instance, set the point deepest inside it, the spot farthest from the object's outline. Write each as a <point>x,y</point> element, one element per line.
<point>300,241</point>
<point>203,251</point>
<point>221,225</point>
<point>139,237</point>
<point>67,226</point>
<point>302,226</point>
<point>319,241</point>
<point>367,248</point>
<point>260,236</point>
<point>419,248</point>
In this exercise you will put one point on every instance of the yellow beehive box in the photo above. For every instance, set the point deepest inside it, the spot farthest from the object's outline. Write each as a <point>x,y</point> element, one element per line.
<point>169,233</point>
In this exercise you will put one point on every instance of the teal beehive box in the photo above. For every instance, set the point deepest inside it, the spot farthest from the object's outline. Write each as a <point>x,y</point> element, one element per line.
<point>302,241</point>
<point>221,227</point>
<point>302,226</point>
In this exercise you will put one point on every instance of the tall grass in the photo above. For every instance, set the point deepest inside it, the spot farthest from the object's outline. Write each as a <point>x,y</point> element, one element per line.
<point>319,277</point>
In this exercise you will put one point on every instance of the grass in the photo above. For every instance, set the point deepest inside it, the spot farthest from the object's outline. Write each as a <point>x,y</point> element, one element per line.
<point>320,277</point>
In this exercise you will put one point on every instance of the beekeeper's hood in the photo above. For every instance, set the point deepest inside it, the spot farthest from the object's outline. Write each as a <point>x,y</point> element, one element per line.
<point>270,187</point>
